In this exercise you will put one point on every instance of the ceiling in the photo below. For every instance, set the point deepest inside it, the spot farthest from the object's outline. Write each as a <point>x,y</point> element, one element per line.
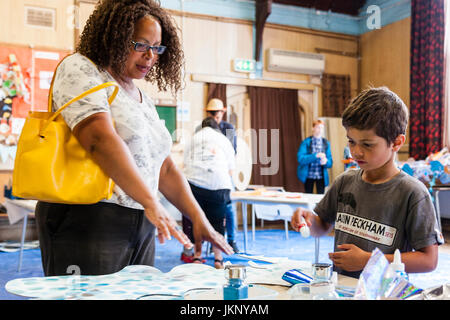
<point>350,7</point>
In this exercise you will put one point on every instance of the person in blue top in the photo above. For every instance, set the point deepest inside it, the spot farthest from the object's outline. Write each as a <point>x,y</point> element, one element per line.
<point>314,158</point>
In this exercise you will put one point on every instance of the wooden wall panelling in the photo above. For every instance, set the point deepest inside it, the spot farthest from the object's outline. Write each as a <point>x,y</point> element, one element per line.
<point>306,101</point>
<point>210,46</point>
<point>385,61</point>
<point>385,58</point>
<point>337,136</point>
<point>15,31</point>
<point>85,8</point>
<point>337,64</point>
<point>297,39</point>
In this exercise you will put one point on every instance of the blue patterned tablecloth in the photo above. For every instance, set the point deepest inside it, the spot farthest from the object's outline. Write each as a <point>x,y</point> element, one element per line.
<point>137,282</point>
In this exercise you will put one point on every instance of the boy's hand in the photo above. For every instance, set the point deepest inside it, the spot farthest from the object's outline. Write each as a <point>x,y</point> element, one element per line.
<point>352,258</point>
<point>296,219</point>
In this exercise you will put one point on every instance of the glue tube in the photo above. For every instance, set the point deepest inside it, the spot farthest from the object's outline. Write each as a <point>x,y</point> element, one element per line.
<point>303,228</point>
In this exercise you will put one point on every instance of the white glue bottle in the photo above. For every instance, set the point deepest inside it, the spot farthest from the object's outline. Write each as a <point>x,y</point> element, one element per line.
<point>303,228</point>
<point>397,267</point>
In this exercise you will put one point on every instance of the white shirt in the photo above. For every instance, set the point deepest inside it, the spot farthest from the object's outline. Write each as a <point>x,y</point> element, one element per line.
<point>138,124</point>
<point>208,159</point>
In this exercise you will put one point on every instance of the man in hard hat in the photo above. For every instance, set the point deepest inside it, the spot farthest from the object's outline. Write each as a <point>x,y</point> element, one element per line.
<point>216,109</point>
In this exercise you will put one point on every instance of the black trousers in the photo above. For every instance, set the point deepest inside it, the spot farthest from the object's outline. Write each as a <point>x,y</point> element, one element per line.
<point>95,239</point>
<point>320,185</point>
<point>214,204</point>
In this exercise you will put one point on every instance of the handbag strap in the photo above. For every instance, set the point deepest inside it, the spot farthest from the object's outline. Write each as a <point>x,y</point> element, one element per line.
<point>81,96</point>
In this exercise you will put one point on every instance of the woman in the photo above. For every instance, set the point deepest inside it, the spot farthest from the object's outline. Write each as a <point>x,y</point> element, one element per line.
<point>314,158</point>
<point>208,168</point>
<point>123,40</point>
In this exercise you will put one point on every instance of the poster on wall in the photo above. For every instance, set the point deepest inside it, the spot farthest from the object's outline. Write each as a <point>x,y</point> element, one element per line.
<point>25,76</point>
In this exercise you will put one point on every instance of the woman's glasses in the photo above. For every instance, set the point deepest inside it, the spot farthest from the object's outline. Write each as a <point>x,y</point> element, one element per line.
<point>143,47</point>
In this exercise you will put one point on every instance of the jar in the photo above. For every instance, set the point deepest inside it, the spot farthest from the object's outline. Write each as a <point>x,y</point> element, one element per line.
<point>323,290</point>
<point>236,288</point>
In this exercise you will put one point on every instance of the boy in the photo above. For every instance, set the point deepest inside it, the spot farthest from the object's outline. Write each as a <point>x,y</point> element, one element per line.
<point>377,205</point>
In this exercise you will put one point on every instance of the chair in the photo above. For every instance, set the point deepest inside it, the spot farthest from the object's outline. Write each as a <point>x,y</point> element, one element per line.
<point>272,213</point>
<point>271,216</point>
<point>18,210</point>
<point>442,202</point>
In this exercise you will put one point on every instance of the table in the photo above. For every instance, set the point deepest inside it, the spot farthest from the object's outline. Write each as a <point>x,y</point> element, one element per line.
<point>275,198</point>
<point>17,210</point>
<point>138,281</point>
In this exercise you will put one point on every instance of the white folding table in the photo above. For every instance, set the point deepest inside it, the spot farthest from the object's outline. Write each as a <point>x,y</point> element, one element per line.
<point>274,198</point>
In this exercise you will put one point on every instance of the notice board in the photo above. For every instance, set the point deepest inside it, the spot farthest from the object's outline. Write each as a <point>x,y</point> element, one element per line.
<point>169,115</point>
<point>25,76</point>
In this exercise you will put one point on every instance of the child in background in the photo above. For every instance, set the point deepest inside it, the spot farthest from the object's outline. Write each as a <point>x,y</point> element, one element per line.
<point>377,205</point>
<point>348,161</point>
<point>314,159</point>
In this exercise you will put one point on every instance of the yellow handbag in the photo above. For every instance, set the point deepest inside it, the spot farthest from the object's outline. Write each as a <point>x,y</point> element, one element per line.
<point>50,163</point>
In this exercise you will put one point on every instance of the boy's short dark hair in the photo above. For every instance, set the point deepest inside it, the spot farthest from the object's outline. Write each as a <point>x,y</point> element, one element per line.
<point>379,109</point>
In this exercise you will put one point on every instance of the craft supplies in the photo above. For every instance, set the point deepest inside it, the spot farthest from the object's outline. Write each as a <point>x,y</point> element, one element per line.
<point>296,276</point>
<point>236,288</point>
<point>370,280</point>
<point>299,291</point>
<point>397,267</point>
<point>323,290</point>
<point>381,281</point>
<point>440,292</point>
<point>255,292</point>
<point>322,271</point>
<point>398,288</point>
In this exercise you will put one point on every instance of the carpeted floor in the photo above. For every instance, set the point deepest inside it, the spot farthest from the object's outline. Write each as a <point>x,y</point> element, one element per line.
<point>269,243</point>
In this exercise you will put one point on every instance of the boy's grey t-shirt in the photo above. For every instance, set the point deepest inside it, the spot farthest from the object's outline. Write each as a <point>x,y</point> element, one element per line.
<point>398,214</point>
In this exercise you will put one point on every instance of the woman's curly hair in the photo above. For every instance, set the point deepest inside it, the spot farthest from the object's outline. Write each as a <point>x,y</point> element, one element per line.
<point>106,40</point>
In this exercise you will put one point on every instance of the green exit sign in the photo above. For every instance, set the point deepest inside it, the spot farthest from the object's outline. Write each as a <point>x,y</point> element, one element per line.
<point>244,65</point>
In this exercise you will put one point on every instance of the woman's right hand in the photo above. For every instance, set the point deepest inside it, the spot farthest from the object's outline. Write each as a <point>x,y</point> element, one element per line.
<point>165,224</point>
<point>204,231</point>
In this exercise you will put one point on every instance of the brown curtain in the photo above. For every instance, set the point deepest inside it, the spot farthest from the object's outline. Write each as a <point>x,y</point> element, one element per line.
<point>336,94</point>
<point>273,108</point>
